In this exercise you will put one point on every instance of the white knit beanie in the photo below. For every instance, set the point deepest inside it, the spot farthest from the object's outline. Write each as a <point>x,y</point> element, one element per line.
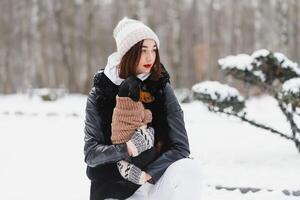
<point>128,32</point>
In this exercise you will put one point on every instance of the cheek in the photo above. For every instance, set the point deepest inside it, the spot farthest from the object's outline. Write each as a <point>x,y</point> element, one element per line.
<point>141,62</point>
<point>142,59</point>
<point>139,68</point>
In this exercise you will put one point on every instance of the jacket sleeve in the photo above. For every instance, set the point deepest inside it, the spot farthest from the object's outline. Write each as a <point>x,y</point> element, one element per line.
<point>96,152</point>
<point>177,136</point>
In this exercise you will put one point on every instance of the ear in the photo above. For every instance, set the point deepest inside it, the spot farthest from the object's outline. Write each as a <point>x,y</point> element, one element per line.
<point>134,92</point>
<point>123,90</point>
<point>134,87</point>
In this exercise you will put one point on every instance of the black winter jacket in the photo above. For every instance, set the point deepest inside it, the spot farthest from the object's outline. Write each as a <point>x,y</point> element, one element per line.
<point>101,156</point>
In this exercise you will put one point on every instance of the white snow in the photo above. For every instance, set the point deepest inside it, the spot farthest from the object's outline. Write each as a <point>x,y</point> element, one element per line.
<point>241,62</point>
<point>33,105</point>
<point>42,155</point>
<point>260,75</point>
<point>217,91</point>
<point>287,63</point>
<point>260,53</point>
<point>291,86</point>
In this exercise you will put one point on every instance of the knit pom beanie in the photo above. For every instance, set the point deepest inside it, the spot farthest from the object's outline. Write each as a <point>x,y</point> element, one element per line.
<point>128,32</point>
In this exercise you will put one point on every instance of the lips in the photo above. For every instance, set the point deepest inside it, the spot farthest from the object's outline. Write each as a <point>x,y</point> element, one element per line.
<point>147,65</point>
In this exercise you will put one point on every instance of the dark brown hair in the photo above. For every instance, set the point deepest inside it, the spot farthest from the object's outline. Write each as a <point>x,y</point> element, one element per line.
<point>130,61</point>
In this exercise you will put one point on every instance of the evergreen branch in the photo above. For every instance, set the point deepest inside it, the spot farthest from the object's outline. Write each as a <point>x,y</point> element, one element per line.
<point>259,125</point>
<point>290,118</point>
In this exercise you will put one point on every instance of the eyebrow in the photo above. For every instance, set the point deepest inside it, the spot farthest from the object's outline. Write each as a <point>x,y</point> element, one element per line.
<point>147,46</point>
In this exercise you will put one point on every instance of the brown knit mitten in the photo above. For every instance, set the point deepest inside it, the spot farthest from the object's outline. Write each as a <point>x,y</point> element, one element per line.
<point>147,116</point>
<point>128,115</point>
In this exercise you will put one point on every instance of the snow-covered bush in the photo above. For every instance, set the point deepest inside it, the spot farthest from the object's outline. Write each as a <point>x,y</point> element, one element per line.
<point>217,95</point>
<point>47,94</point>
<point>260,68</point>
<point>273,72</point>
<point>240,66</point>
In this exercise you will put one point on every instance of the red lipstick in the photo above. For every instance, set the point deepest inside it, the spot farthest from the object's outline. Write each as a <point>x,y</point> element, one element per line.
<point>147,65</point>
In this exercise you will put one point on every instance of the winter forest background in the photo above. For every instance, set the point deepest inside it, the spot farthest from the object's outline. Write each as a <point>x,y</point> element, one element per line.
<point>61,44</point>
<point>244,130</point>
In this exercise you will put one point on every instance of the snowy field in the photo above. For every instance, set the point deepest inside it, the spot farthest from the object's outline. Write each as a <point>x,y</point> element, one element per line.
<point>41,151</point>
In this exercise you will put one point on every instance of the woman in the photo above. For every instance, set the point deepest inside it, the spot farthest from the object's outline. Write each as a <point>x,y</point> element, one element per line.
<point>170,173</point>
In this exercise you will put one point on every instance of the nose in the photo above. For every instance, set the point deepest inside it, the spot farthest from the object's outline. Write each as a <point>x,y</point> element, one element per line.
<point>150,56</point>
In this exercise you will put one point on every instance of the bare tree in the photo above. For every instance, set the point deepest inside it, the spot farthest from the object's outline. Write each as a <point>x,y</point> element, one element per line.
<point>63,43</point>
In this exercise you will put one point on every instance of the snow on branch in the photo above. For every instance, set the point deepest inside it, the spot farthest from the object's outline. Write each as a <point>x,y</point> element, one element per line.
<point>260,68</point>
<point>292,86</point>
<point>287,68</point>
<point>240,66</point>
<point>241,62</point>
<point>219,96</point>
<point>287,63</point>
<point>290,92</point>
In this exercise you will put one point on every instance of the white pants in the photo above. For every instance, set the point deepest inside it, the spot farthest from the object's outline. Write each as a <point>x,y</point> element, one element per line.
<point>181,180</point>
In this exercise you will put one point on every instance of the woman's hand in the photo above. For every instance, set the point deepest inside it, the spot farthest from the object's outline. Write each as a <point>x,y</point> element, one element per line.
<point>141,140</point>
<point>147,177</point>
<point>132,173</point>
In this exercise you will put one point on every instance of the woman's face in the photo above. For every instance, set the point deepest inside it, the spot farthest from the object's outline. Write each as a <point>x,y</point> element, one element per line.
<point>148,56</point>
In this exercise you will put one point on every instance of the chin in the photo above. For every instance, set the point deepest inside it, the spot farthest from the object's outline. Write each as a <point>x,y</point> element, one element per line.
<point>145,71</point>
<point>148,70</point>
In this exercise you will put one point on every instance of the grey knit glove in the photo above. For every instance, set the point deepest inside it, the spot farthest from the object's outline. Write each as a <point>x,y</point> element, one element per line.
<point>131,172</point>
<point>141,140</point>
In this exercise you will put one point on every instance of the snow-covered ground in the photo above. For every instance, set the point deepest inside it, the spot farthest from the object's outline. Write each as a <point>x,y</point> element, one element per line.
<point>41,151</point>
